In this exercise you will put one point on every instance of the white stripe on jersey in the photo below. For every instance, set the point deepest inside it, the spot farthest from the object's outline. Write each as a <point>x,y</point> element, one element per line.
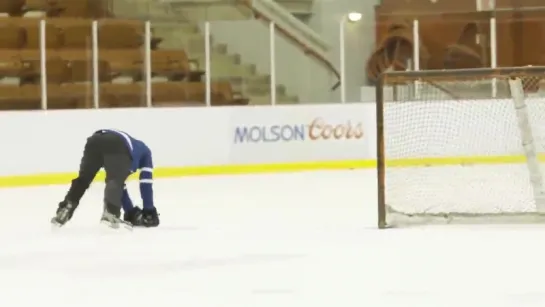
<point>126,136</point>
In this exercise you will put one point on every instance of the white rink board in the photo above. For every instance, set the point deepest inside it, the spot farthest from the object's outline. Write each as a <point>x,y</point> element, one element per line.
<point>51,142</point>
<point>303,133</point>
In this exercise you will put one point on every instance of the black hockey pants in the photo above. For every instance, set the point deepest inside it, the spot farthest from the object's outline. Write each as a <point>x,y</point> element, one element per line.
<point>108,150</point>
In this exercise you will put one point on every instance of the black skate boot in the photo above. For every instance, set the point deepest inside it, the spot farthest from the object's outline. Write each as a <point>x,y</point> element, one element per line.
<point>64,213</point>
<point>133,216</point>
<point>110,217</point>
<point>150,218</point>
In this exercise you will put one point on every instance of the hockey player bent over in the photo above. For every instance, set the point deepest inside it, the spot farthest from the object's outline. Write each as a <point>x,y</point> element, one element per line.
<point>120,155</point>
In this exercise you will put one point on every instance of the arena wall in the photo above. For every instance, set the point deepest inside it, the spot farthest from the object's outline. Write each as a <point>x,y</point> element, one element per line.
<point>45,147</point>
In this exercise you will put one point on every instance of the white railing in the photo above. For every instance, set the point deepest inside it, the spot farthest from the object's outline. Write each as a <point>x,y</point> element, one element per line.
<point>43,64</point>
<point>148,64</point>
<point>95,65</point>
<point>493,52</point>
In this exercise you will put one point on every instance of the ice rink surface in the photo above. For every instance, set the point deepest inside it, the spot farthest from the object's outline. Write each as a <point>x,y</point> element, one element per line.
<point>286,240</point>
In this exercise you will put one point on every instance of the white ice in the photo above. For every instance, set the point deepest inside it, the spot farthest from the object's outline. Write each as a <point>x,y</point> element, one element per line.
<point>287,240</point>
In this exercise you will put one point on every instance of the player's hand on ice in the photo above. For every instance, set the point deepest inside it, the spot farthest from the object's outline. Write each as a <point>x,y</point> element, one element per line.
<point>134,216</point>
<point>150,217</point>
<point>142,217</point>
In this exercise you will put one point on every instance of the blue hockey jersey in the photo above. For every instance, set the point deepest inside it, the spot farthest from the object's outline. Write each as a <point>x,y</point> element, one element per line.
<point>141,160</point>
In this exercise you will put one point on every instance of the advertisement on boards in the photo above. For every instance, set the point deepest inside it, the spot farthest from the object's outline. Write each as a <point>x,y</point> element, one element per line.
<point>293,133</point>
<point>318,129</point>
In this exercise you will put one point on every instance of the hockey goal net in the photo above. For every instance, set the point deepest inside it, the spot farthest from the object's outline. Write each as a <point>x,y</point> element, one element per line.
<point>461,146</point>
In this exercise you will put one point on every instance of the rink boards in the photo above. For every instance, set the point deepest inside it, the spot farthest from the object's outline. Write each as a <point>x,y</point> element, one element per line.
<point>44,147</point>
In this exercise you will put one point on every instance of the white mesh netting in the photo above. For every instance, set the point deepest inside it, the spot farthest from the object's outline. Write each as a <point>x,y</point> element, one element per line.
<point>458,157</point>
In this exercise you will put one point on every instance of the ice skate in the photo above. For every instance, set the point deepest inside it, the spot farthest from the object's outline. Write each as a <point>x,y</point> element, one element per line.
<point>64,213</point>
<point>110,218</point>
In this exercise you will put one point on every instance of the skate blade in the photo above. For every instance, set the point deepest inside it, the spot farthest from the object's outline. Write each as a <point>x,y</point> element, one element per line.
<point>109,224</point>
<point>55,224</point>
<point>127,225</point>
<point>117,225</point>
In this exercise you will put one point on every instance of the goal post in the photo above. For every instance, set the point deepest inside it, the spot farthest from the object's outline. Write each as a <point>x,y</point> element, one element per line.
<point>460,146</point>
<point>528,142</point>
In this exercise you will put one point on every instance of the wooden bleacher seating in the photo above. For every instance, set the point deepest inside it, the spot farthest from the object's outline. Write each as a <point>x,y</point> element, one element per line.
<point>69,60</point>
<point>79,95</point>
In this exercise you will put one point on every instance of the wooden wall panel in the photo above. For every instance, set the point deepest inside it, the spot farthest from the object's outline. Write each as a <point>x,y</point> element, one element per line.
<point>427,6</point>
<point>521,31</point>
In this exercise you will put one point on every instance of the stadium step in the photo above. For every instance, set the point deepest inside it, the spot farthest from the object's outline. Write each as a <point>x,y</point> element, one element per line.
<point>188,35</point>
<point>297,7</point>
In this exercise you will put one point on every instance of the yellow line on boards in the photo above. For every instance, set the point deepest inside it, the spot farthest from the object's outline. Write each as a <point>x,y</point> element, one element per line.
<point>469,160</point>
<point>173,172</point>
